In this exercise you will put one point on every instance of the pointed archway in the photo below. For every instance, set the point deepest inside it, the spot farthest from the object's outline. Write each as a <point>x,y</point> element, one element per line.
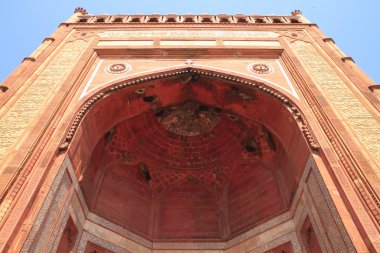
<point>238,138</point>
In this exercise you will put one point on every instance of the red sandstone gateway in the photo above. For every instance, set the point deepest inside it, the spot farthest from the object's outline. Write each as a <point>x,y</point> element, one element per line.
<point>187,133</point>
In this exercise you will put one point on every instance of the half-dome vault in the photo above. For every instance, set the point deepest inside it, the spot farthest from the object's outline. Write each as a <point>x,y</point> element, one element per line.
<point>200,160</point>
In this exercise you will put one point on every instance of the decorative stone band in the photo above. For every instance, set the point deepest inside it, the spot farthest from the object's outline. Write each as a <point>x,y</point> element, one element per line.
<point>352,110</point>
<point>206,19</point>
<point>167,35</point>
<point>272,223</point>
<point>309,136</point>
<point>290,237</point>
<point>25,109</point>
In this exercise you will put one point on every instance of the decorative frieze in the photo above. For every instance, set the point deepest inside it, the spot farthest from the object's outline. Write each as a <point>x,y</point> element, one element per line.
<point>205,19</point>
<point>26,108</point>
<point>359,120</point>
<point>187,34</point>
<point>44,226</point>
<point>328,221</point>
<point>87,237</point>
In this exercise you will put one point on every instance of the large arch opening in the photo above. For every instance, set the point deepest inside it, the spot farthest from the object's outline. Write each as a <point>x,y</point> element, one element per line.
<point>189,156</point>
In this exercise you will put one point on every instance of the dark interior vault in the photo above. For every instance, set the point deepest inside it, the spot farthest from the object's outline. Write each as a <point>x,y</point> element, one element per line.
<point>191,159</point>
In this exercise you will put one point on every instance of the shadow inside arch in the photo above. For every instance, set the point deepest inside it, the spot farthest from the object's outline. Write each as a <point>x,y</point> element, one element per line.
<point>188,75</point>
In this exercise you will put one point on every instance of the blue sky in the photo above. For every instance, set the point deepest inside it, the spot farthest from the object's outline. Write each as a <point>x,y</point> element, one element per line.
<point>352,24</point>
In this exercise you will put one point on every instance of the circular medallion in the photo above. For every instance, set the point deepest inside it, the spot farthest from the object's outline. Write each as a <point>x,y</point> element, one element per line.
<point>260,68</point>
<point>118,68</point>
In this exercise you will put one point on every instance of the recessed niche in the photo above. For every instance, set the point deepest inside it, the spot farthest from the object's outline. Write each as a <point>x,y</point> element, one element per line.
<point>153,20</point>
<point>242,20</point>
<point>135,20</point>
<point>118,20</point>
<point>224,20</point>
<point>171,20</point>
<point>206,20</point>
<point>189,20</point>
<point>149,99</point>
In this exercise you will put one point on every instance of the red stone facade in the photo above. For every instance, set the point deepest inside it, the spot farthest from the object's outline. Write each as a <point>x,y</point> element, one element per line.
<point>189,133</point>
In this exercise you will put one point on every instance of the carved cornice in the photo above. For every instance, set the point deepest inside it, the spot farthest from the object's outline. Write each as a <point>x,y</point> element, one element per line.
<point>206,19</point>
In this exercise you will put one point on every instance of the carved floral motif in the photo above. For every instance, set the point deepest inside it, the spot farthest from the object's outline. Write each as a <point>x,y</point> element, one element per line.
<point>118,68</point>
<point>260,68</point>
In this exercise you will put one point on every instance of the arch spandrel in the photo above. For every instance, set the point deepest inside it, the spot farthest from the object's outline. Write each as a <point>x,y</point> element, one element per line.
<point>268,71</point>
<point>267,87</point>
